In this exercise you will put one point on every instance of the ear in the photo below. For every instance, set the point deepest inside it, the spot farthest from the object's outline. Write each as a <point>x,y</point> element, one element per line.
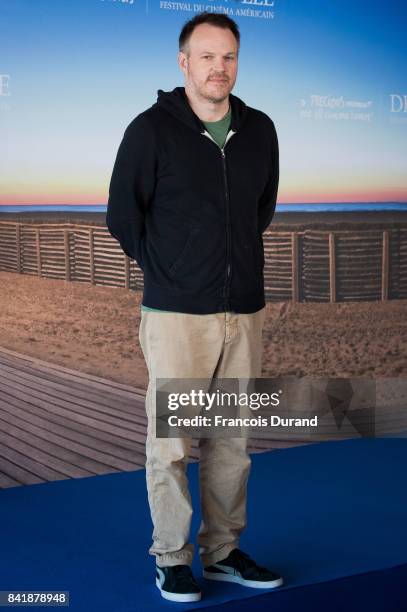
<point>182,61</point>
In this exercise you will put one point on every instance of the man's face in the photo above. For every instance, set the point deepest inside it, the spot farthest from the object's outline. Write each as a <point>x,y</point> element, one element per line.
<point>210,62</point>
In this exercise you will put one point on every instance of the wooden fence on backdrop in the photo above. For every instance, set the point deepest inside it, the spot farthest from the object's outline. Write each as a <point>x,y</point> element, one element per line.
<point>312,265</point>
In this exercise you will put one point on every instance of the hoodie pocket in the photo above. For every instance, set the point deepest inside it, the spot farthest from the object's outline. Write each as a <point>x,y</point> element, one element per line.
<point>173,269</point>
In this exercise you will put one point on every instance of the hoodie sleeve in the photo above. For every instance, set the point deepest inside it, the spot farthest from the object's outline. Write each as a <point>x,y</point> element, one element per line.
<point>132,187</point>
<point>267,203</point>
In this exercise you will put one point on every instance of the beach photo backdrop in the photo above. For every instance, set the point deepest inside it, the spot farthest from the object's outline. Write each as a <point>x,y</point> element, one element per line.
<point>73,75</point>
<point>332,75</point>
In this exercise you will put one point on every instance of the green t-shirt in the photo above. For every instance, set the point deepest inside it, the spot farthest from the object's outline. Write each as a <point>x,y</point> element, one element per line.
<point>218,130</point>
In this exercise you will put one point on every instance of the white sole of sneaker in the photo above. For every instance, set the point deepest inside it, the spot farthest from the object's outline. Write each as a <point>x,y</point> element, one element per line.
<point>180,597</point>
<point>254,584</point>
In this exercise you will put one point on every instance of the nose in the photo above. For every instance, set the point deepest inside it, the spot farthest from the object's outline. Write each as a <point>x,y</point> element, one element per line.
<point>219,66</point>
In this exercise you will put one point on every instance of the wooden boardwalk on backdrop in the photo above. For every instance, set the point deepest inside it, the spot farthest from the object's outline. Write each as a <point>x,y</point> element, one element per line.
<point>58,423</point>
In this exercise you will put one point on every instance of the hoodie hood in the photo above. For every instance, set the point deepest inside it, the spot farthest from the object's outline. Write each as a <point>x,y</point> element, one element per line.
<point>176,103</point>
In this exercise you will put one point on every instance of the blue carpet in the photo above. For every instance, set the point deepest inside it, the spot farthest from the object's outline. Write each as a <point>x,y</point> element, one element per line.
<point>317,513</point>
<point>379,591</point>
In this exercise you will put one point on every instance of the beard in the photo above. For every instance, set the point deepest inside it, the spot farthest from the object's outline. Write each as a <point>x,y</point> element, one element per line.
<point>212,92</point>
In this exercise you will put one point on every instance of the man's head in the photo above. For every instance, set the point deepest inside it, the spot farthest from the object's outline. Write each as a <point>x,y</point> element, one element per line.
<point>208,56</point>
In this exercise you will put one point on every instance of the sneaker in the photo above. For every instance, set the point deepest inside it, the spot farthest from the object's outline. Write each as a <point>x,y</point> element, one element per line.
<point>177,583</point>
<point>238,567</point>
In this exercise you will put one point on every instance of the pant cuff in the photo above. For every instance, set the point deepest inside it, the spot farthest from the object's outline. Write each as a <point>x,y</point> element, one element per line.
<point>171,559</point>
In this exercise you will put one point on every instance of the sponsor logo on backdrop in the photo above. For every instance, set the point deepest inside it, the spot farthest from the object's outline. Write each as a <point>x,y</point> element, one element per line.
<point>5,92</point>
<point>398,108</point>
<point>119,1</point>
<point>259,9</point>
<point>335,108</point>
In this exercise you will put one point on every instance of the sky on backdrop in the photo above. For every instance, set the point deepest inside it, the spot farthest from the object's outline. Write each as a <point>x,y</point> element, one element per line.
<point>332,76</point>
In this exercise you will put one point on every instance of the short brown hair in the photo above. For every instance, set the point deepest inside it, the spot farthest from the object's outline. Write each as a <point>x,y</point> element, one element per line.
<point>220,20</point>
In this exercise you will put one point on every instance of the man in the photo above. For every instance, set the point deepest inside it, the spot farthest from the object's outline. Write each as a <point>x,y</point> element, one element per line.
<point>193,187</point>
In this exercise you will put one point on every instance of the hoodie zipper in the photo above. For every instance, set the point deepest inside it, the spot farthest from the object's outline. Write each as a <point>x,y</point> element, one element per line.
<point>228,272</point>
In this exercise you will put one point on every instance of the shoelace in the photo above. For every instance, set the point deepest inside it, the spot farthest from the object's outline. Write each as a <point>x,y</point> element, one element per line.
<point>242,559</point>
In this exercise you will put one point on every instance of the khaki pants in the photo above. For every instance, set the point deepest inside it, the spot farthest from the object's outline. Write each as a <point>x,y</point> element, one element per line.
<point>177,345</point>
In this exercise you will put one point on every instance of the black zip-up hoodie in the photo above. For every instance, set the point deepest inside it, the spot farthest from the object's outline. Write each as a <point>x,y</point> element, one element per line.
<point>191,214</point>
